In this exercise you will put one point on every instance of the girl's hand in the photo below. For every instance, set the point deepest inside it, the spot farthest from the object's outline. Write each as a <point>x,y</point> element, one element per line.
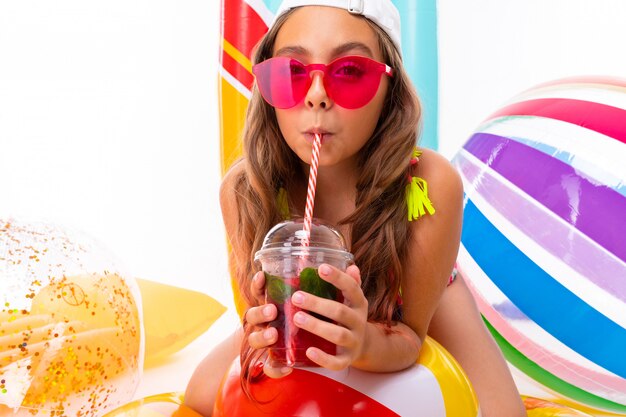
<point>257,318</point>
<point>350,317</point>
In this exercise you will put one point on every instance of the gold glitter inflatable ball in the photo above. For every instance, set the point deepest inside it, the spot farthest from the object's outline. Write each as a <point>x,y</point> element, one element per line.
<point>71,342</point>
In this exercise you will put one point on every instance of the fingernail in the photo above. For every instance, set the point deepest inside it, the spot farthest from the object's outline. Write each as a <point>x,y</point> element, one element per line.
<point>324,269</point>
<point>268,334</point>
<point>267,310</point>
<point>299,318</point>
<point>285,370</point>
<point>297,298</point>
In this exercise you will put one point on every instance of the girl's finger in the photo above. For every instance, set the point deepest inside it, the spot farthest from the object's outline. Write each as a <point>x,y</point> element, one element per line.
<point>355,273</point>
<point>349,286</point>
<point>273,372</point>
<point>256,316</point>
<point>263,338</point>
<point>336,334</point>
<point>328,361</point>
<point>257,286</point>
<point>345,315</point>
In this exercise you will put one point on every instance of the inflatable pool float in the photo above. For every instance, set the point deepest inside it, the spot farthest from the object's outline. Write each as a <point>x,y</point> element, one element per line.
<point>435,386</point>
<point>161,405</point>
<point>543,246</point>
<point>75,329</point>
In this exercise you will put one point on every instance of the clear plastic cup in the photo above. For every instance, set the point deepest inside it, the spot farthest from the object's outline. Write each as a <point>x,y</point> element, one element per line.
<point>290,265</point>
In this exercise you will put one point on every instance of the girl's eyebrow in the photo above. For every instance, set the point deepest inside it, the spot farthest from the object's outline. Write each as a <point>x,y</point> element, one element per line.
<point>339,50</point>
<point>291,50</point>
<point>352,46</point>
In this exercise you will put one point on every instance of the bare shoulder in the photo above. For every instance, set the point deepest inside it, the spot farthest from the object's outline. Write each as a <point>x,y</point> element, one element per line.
<point>442,178</point>
<point>434,242</point>
<point>445,188</point>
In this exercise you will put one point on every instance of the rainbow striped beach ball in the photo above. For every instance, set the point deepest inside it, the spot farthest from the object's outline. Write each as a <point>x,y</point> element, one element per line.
<point>544,236</point>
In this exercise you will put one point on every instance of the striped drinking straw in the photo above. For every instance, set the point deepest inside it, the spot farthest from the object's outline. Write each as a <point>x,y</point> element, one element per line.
<point>308,219</point>
<point>310,194</point>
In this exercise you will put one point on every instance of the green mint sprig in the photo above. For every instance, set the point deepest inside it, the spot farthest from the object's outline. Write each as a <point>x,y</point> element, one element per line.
<point>311,282</point>
<point>276,288</point>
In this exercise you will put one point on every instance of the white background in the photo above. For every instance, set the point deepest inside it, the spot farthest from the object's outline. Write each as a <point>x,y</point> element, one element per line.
<point>109,121</point>
<point>491,50</point>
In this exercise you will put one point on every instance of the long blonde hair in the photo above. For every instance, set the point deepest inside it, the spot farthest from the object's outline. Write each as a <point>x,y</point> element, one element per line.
<point>379,228</point>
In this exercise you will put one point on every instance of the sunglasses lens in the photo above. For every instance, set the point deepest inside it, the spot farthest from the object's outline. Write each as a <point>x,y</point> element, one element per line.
<point>353,81</point>
<point>283,82</point>
<point>350,81</point>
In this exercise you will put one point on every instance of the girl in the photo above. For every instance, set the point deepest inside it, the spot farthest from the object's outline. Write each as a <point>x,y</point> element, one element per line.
<point>369,130</point>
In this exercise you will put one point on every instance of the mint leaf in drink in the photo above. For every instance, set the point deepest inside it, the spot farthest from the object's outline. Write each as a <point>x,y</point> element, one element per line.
<point>276,288</point>
<point>311,282</point>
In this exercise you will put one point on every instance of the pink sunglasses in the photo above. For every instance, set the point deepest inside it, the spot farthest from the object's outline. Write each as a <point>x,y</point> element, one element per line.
<point>350,81</point>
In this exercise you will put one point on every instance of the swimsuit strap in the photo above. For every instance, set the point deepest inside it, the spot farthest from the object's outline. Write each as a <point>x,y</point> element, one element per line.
<point>416,192</point>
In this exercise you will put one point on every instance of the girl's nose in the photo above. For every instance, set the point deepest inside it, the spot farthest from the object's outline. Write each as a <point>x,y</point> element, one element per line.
<point>317,97</point>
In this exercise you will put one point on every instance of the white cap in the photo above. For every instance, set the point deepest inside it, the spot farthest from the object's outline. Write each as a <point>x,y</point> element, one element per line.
<point>381,12</point>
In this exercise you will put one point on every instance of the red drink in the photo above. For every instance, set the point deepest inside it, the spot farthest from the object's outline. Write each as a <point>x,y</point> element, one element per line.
<point>290,348</point>
<point>290,264</point>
